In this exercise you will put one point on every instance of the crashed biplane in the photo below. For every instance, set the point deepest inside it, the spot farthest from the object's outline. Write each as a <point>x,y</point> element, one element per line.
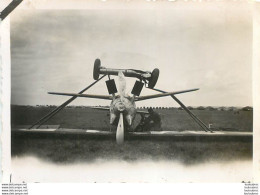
<point>122,107</point>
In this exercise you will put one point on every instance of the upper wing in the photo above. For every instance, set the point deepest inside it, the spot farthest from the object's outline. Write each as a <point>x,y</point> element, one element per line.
<point>104,97</point>
<point>163,94</point>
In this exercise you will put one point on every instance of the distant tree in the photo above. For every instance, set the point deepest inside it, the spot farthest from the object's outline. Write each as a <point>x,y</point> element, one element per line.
<point>201,108</point>
<point>231,108</point>
<point>247,108</point>
<point>221,108</point>
<point>190,107</point>
<point>210,108</point>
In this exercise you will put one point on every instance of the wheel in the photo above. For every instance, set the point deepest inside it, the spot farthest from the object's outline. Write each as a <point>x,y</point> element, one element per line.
<point>97,65</point>
<point>154,78</point>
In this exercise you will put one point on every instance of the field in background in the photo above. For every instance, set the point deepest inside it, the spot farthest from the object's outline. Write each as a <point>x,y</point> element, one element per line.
<point>172,119</point>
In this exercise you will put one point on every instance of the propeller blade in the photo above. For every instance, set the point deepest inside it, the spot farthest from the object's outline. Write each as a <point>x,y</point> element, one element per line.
<point>120,130</point>
<point>122,83</point>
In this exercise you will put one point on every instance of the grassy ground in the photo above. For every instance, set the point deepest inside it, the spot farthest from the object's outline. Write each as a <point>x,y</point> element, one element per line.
<point>172,119</point>
<point>60,150</point>
<point>69,150</point>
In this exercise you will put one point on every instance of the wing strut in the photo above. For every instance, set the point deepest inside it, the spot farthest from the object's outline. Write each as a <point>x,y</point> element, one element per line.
<point>58,109</point>
<point>195,118</point>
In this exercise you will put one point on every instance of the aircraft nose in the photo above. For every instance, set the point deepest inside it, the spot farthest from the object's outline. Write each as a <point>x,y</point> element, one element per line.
<point>121,107</point>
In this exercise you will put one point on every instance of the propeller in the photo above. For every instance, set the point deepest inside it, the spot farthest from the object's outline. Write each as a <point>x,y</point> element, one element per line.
<point>120,130</point>
<point>122,83</point>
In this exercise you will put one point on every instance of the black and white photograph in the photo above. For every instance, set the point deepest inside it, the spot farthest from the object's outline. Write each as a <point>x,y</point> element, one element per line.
<point>132,92</point>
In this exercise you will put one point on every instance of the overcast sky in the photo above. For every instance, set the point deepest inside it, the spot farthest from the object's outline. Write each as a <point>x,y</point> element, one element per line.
<point>54,50</point>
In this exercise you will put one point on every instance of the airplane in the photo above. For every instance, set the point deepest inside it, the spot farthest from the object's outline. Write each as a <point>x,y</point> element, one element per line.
<point>122,107</point>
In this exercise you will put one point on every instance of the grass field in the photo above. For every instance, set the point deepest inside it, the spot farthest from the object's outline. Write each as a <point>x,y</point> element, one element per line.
<point>77,149</point>
<point>71,150</point>
<point>172,119</point>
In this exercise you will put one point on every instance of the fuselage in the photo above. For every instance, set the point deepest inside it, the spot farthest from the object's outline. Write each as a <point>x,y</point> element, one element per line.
<point>122,104</point>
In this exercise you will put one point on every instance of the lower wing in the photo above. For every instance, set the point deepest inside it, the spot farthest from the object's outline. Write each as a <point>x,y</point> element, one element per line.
<point>108,109</point>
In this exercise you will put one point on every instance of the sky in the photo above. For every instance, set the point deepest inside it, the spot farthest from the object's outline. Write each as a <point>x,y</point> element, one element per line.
<point>193,46</point>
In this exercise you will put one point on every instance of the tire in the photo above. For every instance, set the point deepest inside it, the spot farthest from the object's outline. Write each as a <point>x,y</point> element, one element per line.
<point>154,78</point>
<point>96,69</point>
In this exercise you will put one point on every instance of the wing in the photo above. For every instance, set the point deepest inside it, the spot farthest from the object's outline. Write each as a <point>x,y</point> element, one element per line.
<point>104,97</point>
<point>163,94</point>
<point>142,112</point>
<point>101,108</point>
<point>108,109</point>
